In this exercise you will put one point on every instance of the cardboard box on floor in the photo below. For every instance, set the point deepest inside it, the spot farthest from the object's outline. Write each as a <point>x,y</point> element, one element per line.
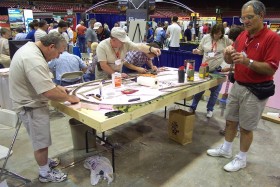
<point>180,126</point>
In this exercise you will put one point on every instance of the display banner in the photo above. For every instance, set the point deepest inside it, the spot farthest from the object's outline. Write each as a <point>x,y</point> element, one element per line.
<point>16,18</point>
<point>28,18</point>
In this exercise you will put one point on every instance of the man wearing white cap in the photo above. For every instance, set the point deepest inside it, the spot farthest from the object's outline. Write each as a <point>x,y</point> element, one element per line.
<point>102,33</point>
<point>111,51</point>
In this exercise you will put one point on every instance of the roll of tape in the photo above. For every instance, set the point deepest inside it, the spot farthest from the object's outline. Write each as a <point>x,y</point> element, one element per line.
<point>148,81</point>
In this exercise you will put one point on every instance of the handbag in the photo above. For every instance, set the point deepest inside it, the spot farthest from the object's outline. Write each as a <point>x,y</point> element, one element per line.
<point>261,90</point>
<point>5,60</point>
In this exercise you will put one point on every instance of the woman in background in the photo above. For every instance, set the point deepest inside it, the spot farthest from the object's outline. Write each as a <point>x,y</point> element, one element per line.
<point>211,47</point>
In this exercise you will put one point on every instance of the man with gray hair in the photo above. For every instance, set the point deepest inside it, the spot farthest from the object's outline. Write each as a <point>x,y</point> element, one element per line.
<point>31,87</point>
<point>255,54</point>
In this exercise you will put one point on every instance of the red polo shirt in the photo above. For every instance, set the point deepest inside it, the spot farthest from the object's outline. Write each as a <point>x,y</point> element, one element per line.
<point>81,30</point>
<point>263,47</point>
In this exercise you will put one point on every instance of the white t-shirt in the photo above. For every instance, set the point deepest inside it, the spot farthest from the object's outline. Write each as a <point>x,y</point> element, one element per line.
<point>157,30</point>
<point>201,32</point>
<point>64,34</point>
<point>71,35</point>
<point>29,77</point>
<point>39,33</point>
<point>227,30</point>
<point>174,31</point>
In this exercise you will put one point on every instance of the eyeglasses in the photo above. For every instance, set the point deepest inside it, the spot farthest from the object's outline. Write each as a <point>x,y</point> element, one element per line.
<point>249,17</point>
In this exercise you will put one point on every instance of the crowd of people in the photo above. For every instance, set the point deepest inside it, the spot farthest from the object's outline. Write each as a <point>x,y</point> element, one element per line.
<point>113,49</point>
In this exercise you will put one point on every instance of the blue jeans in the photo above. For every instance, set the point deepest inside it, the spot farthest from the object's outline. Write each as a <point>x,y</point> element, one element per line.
<point>89,77</point>
<point>64,83</point>
<point>82,43</point>
<point>174,48</point>
<point>212,100</point>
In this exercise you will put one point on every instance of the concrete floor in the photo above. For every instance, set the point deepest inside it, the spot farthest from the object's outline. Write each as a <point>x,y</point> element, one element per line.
<point>146,157</point>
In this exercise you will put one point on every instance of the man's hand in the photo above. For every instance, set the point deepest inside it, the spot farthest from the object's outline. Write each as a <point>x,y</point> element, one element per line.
<point>73,99</point>
<point>124,75</point>
<point>239,58</point>
<point>196,51</point>
<point>154,68</point>
<point>156,51</point>
<point>229,50</point>
<point>225,70</point>
<point>141,70</point>
<point>63,89</point>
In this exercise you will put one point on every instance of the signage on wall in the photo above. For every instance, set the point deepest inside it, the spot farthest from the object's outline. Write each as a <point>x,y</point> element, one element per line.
<point>16,19</point>
<point>207,18</point>
<point>184,18</point>
<point>275,26</point>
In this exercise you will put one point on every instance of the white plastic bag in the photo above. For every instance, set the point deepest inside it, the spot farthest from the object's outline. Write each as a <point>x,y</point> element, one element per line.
<point>100,167</point>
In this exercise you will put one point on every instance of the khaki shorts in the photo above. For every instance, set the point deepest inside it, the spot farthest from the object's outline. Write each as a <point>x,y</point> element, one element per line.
<point>244,107</point>
<point>37,124</point>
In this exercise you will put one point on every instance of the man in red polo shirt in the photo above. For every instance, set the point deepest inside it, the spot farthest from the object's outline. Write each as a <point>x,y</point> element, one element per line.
<point>256,57</point>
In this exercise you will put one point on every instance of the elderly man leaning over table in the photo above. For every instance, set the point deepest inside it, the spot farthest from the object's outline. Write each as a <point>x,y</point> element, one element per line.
<point>111,51</point>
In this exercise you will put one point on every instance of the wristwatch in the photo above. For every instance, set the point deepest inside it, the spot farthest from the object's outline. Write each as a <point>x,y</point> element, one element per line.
<point>150,49</point>
<point>250,62</point>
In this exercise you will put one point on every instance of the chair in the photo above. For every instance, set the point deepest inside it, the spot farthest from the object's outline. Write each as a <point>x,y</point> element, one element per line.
<point>9,118</point>
<point>85,56</point>
<point>77,76</point>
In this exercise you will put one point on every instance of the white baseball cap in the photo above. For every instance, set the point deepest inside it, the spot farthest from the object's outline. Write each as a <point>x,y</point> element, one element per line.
<point>97,25</point>
<point>120,34</point>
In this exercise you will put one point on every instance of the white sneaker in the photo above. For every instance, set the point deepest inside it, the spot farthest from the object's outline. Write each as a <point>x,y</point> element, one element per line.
<point>219,152</point>
<point>54,162</point>
<point>190,110</point>
<point>209,114</point>
<point>236,164</point>
<point>53,176</point>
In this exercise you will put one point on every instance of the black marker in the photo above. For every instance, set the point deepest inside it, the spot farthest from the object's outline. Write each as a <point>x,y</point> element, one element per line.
<point>134,99</point>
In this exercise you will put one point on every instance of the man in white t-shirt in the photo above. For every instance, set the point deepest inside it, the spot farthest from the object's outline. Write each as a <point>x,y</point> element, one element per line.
<point>159,28</point>
<point>201,32</point>
<point>225,24</point>
<point>111,52</point>
<point>70,33</point>
<point>62,28</point>
<point>42,30</point>
<point>173,32</point>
